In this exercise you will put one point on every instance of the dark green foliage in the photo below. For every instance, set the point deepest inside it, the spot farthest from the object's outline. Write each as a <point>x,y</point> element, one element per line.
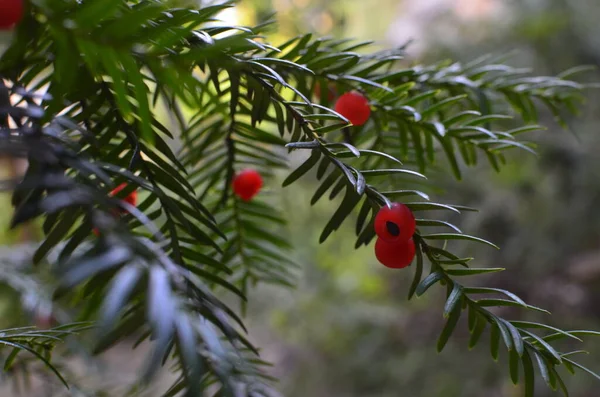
<point>109,69</point>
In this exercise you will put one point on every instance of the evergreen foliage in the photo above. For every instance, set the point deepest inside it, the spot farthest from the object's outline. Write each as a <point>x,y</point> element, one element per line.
<point>100,92</point>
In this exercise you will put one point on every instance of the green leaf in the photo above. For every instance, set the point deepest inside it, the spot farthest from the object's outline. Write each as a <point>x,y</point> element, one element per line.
<point>120,289</point>
<point>188,348</point>
<point>304,168</point>
<point>400,193</point>
<point>418,272</point>
<point>528,324</point>
<point>581,367</point>
<point>355,152</point>
<point>454,299</point>
<point>365,82</point>
<point>560,335</point>
<point>560,382</point>
<point>504,332</point>
<point>430,207</point>
<point>456,236</point>
<point>480,324</point>
<point>513,364</point>
<point>545,345</point>
<point>494,342</point>
<point>529,375</point>
<point>350,201</point>
<point>516,337</point>
<point>442,104</point>
<point>449,327</point>
<point>365,153</point>
<point>91,12</point>
<point>325,185</point>
<point>473,271</point>
<point>544,370</point>
<point>432,222</point>
<point>482,290</point>
<point>38,356</point>
<point>392,171</point>
<point>141,95</point>
<point>428,282</point>
<point>504,302</point>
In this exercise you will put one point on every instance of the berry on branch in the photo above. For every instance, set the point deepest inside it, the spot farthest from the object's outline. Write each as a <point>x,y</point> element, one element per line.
<point>395,255</point>
<point>131,198</point>
<point>354,107</point>
<point>395,223</point>
<point>11,12</point>
<point>247,184</point>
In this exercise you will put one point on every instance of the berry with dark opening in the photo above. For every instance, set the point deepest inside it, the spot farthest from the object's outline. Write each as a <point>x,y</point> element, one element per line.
<point>354,107</point>
<point>395,223</point>
<point>247,184</point>
<point>395,255</point>
<point>11,12</point>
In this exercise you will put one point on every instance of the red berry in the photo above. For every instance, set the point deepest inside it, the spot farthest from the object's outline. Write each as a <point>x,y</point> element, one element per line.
<point>131,198</point>
<point>354,107</point>
<point>396,223</point>
<point>396,255</point>
<point>247,184</point>
<point>11,12</point>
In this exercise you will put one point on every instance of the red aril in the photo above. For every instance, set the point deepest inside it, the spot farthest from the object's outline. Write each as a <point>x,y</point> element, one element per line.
<point>354,107</point>
<point>395,223</point>
<point>11,13</point>
<point>247,184</point>
<point>396,255</point>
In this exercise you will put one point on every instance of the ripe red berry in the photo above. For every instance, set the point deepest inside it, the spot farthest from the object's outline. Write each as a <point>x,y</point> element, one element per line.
<point>354,107</point>
<point>396,223</point>
<point>247,184</point>
<point>11,12</point>
<point>396,255</point>
<point>131,198</point>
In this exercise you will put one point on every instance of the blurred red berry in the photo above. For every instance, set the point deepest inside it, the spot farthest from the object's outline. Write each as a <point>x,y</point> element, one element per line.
<point>11,12</point>
<point>396,223</point>
<point>354,107</point>
<point>396,255</point>
<point>247,184</point>
<point>131,198</point>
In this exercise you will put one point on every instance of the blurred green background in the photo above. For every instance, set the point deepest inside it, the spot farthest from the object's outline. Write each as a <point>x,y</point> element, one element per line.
<point>348,330</point>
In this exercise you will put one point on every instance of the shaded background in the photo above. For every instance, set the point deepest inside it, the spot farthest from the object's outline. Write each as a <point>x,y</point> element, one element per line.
<point>347,330</point>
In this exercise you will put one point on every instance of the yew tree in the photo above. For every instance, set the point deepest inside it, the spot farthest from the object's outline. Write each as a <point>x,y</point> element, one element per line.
<point>134,118</point>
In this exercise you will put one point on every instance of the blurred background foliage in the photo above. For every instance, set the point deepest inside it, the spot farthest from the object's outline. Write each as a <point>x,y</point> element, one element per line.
<point>348,330</point>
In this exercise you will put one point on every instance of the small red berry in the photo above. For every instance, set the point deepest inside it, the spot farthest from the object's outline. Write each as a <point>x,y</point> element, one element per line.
<point>131,198</point>
<point>247,184</point>
<point>11,12</point>
<point>354,107</point>
<point>396,255</point>
<point>396,223</point>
